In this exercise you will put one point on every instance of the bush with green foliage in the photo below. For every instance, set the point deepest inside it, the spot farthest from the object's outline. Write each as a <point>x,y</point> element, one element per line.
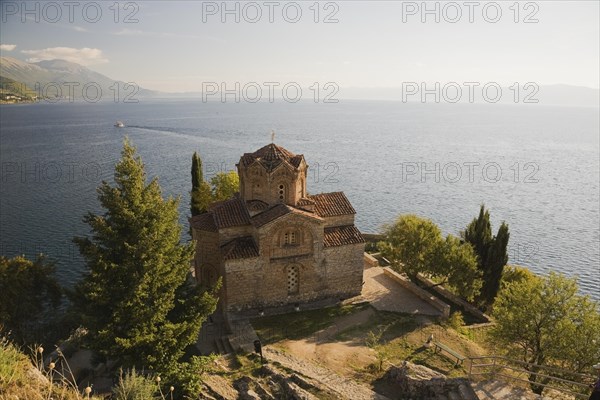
<point>374,341</point>
<point>134,386</point>
<point>456,321</point>
<point>30,297</point>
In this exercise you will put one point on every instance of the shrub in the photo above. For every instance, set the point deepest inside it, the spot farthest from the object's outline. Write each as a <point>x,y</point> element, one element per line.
<point>13,364</point>
<point>456,321</point>
<point>134,386</point>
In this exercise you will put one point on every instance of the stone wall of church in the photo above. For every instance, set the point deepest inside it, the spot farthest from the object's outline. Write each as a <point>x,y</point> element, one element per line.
<point>242,282</point>
<point>257,283</point>
<point>345,269</point>
<point>265,282</point>
<point>207,256</point>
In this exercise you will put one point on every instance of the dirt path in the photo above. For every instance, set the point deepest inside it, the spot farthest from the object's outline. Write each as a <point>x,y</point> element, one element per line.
<point>346,388</point>
<point>322,349</point>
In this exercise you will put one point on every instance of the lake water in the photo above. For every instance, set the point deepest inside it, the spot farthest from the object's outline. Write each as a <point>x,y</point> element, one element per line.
<point>535,167</point>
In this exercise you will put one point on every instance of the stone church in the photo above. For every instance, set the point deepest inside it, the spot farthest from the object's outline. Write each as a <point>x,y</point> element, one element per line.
<point>273,243</point>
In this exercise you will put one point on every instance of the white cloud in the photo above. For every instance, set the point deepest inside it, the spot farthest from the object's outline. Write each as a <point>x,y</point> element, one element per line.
<point>130,32</point>
<point>79,29</point>
<point>83,56</point>
<point>7,47</point>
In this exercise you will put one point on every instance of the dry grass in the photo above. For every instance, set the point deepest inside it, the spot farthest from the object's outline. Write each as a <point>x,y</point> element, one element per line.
<point>24,378</point>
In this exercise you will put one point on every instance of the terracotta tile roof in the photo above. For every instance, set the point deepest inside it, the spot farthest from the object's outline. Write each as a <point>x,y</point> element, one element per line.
<point>204,222</point>
<point>342,235</point>
<point>278,211</point>
<point>305,201</point>
<point>230,213</point>
<point>270,215</point>
<point>243,247</point>
<point>256,205</point>
<point>296,160</point>
<point>332,204</point>
<point>271,156</point>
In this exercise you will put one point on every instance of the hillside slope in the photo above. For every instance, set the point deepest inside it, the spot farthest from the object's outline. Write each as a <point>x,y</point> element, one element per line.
<point>52,73</point>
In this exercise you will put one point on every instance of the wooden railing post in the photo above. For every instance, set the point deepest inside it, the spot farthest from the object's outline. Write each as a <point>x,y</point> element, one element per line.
<point>470,368</point>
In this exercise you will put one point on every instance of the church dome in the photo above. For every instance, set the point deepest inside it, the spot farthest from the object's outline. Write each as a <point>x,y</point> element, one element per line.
<point>270,156</point>
<point>272,175</point>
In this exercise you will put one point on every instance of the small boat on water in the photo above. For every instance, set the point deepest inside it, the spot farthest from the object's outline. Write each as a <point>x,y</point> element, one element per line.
<point>119,124</point>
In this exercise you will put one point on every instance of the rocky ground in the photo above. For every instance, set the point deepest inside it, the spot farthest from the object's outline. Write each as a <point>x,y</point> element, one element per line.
<point>284,376</point>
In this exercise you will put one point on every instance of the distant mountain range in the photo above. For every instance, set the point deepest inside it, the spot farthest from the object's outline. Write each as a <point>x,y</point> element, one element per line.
<point>45,76</point>
<point>58,72</point>
<point>546,95</point>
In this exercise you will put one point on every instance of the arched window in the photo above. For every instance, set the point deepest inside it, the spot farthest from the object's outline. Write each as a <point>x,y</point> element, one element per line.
<point>290,238</point>
<point>293,279</point>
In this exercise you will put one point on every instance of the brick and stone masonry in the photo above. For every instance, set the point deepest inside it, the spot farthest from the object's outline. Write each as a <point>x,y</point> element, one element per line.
<point>273,244</point>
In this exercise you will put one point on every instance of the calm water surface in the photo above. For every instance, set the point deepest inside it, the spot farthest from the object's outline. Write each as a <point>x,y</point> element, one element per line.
<point>535,167</point>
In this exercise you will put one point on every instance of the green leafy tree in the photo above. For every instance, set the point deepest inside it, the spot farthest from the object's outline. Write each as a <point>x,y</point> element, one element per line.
<point>456,264</point>
<point>515,273</point>
<point>415,245</point>
<point>491,253</point>
<point>224,185</point>
<point>410,244</point>
<point>201,195</point>
<point>543,321</point>
<point>30,296</point>
<point>136,300</point>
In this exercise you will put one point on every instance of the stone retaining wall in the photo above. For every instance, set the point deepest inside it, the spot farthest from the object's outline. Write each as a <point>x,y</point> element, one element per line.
<point>442,291</point>
<point>370,261</point>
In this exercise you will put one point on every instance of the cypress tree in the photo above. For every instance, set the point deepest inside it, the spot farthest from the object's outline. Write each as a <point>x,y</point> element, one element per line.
<point>491,252</point>
<point>200,196</point>
<point>197,176</point>
<point>136,301</point>
<point>497,259</point>
<point>479,234</point>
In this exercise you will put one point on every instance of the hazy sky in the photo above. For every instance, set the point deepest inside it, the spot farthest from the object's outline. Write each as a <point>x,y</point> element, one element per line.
<point>176,46</point>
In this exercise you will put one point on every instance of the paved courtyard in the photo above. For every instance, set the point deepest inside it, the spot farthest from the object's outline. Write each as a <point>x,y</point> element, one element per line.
<point>387,295</point>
